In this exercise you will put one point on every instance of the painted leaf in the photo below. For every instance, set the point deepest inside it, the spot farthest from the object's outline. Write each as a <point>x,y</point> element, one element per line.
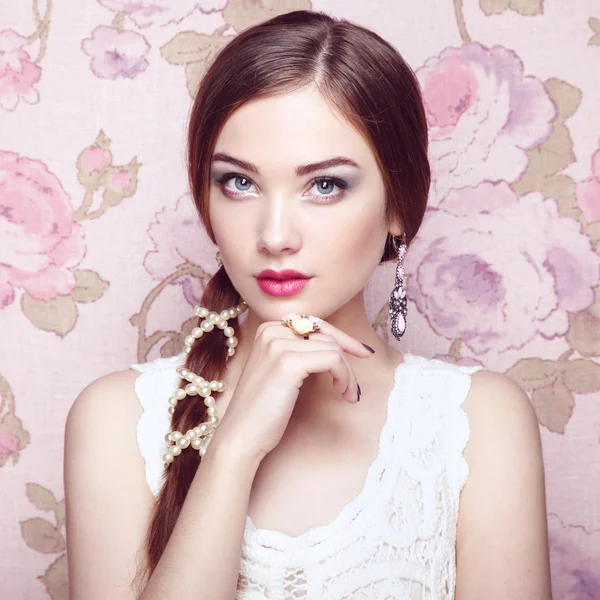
<point>42,536</point>
<point>241,14</point>
<point>534,373</point>
<point>553,406</point>
<point>56,579</point>
<point>58,315</point>
<point>60,513</point>
<point>555,153</point>
<point>186,47</point>
<point>493,7</point>
<point>528,8</point>
<point>594,24</point>
<point>584,329</point>
<point>90,286</point>
<point>40,497</point>
<point>582,376</point>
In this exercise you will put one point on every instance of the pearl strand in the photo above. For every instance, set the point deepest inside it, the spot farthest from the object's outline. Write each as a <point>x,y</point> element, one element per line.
<point>199,437</point>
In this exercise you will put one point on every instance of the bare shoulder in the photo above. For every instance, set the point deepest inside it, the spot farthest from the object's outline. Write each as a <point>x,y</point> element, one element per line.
<point>498,406</point>
<point>107,497</point>
<point>502,544</point>
<point>102,397</point>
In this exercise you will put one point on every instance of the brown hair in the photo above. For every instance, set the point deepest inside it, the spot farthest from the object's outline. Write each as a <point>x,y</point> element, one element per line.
<point>366,79</point>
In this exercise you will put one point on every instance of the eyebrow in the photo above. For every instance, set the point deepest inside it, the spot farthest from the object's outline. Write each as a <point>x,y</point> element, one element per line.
<point>300,169</point>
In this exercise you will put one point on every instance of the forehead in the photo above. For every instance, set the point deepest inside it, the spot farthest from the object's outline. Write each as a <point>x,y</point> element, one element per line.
<point>289,129</point>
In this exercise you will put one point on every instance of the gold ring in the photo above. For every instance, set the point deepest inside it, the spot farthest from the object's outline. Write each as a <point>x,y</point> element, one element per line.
<point>302,325</point>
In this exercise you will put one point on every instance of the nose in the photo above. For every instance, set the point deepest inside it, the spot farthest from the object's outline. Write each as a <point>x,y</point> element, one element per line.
<point>279,227</point>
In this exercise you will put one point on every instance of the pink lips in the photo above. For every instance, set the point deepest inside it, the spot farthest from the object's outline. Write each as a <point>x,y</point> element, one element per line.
<point>282,283</point>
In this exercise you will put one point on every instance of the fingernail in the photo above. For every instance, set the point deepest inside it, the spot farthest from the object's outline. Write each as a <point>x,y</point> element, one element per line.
<point>359,392</point>
<point>368,348</point>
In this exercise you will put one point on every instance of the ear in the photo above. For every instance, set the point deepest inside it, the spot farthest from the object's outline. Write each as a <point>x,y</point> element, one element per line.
<point>396,229</point>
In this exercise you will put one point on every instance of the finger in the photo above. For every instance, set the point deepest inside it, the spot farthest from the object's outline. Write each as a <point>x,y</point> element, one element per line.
<point>349,344</point>
<point>321,361</point>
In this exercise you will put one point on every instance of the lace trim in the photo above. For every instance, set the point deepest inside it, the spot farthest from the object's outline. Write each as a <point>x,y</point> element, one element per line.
<point>157,381</point>
<point>422,379</point>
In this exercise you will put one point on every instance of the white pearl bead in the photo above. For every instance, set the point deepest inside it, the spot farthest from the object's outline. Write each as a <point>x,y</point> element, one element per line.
<point>197,380</point>
<point>214,385</point>
<point>204,391</point>
<point>182,372</point>
<point>221,385</point>
<point>191,389</point>
<point>211,410</point>
<point>168,438</point>
<point>171,410</point>
<point>196,444</point>
<point>175,435</point>
<point>222,324</point>
<point>197,332</point>
<point>207,326</point>
<point>167,458</point>
<point>228,331</point>
<point>190,433</point>
<point>232,341</point>
<point>225,314</point>
<point>189,340</point>
<point>213,420</point>
<point>187,349</point>
<point>175,450</point>
<point>212,316</point>
<point>172,401</point>
<point>202,312</point>
<point>209,401</point>
<point>230,351</point>
<point>180,394</point>
<point>202,450</point>
<point>183,442</point>
<point>203,428</point>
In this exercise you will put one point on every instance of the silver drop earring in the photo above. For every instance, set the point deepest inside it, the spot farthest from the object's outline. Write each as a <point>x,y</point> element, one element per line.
<point>218,258</point>
<point>398,304</point>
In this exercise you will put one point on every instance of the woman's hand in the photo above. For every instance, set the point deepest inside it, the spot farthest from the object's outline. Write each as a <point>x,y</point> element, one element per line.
<point>279,362</point>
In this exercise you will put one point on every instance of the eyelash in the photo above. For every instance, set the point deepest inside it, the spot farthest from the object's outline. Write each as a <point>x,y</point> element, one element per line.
<point>343,185</point>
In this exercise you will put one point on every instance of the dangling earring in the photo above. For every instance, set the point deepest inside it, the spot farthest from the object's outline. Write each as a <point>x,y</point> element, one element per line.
<point>398,306</point>
<point>218,257</point>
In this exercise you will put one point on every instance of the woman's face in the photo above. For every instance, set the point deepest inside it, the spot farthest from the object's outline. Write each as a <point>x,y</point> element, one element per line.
<point>275,212</point>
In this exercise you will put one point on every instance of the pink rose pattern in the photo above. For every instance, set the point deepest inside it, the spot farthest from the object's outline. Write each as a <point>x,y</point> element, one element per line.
<point>483,115</point>
<point>116,53</point>
<point>178,239</point>
<point>40,242</point>
<point>495,270</point>
<point>488,268</point>
<point>18,73</point>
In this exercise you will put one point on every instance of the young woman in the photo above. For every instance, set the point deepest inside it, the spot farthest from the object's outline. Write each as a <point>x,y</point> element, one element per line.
<point>308,166</point>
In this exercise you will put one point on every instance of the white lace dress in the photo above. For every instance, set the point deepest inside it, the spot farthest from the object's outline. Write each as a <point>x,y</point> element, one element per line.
<point>397,538</point>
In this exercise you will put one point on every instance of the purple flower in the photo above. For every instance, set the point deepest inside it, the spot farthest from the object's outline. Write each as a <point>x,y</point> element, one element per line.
<point>495,270</point>
<point>116,53</point>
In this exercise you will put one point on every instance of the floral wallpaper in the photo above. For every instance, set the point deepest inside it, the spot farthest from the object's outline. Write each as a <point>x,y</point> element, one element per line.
<point>102,257</point>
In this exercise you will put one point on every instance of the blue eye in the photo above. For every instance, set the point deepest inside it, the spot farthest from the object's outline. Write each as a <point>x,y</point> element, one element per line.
<point>330,181</point>
<point>325,184</point>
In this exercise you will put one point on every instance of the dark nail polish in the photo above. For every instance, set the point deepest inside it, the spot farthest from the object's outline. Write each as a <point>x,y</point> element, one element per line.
<point>368,348</point>
<point>359,392</point>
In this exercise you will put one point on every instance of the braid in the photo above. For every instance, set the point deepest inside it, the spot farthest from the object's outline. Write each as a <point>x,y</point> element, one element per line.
<point>208,356</point>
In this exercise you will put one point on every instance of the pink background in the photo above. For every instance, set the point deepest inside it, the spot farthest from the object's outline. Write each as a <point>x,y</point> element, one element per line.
<point>101,256</point>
